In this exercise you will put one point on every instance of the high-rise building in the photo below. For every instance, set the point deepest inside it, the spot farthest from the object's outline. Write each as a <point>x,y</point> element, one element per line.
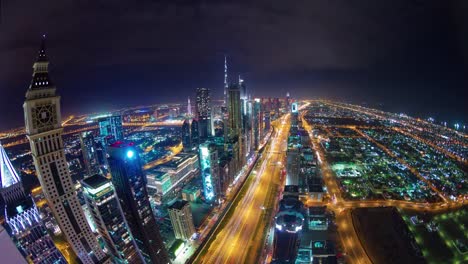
<point>209,170</point>
<point>225,81</point>
<point>23,220</point>
<point>189,108</point>
<point>130,185</point>
<point>203,112</point>
<point>89,151</point>
<point>110,128</point>
<point>110,222</point>
<point>235,122</point>
<point>234,110</point>
<point>293,159</point>
<point>243,89</point>
<point>257,123</point>
<point>187,135</point>
<point>247,124</point>
<point>267,120</point>
<point>195,134</point>
<point>294,118</point>
<point>44,131</point>
<point>181,219</point>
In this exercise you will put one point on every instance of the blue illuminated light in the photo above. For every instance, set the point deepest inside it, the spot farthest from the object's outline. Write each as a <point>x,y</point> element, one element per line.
<point>206,172</point>
<point>19,209</point>
<point>130,154</point>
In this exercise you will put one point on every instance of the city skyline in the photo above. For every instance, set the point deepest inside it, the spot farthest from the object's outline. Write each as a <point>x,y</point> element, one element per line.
<point>399,73</point>
<point>308,133</point>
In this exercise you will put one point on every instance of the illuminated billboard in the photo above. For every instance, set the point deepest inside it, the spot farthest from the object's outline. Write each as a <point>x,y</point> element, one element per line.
<point>205,163</point>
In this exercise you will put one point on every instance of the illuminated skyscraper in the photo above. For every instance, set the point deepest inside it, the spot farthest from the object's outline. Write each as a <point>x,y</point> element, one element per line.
<point>257,122</point>
<point>181,219</point>
<point>243,89</point>
<point>44,131</point>
<point>209,171</point>
<point>111,224</point>
<point>130,185</point>
<point>189,108</point>
<point>294,118</point>
<point>89,151</point>
<point>110,128</point>
<point>203,111</point>
<point>23,220</point>
<point>247,119</point>
<point>234,110</point>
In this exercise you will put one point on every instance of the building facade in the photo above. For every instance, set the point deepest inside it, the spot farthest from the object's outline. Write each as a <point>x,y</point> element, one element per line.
<point>257,123</point>
<point>181,219</point>
<point>182,167</point>
<point>159,182</point>
<point>234,110</point>
<point>44,130</point>
<point>109,219</point>
<point>209,168</point>
<point>111,129</point>
<point>89,151</point>
<point>195,133</point>
<point>203,112</point>
<point>130,183</point>
<point>187,135</point>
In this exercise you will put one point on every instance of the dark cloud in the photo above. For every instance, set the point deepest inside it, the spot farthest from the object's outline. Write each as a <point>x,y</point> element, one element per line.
<point>106,54</point>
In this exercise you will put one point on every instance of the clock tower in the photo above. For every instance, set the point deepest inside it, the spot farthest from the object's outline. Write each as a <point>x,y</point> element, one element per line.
<point>44,131</point>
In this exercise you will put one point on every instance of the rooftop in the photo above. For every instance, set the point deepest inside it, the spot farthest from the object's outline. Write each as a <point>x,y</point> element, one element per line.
<point>178,159</point>
<point>95,181</point>
<point>178,205</point>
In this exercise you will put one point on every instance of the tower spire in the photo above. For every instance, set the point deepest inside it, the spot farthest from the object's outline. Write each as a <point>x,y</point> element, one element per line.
<point>189,108</point>
<point>225,72</point>
<point>11,188</point>
<point>225,80</point>
<point>7,173</point>
<point>42,51</point>
<point>41,79</point>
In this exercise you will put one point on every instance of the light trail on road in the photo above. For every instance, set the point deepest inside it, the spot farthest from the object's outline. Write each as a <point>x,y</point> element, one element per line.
<point>241,240</point>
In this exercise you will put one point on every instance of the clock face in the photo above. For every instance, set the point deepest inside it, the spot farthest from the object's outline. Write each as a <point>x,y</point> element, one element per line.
<point>44,116</point>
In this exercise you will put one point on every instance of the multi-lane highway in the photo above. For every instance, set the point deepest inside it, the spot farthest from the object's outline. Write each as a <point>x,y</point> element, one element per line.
<point>242,238</point>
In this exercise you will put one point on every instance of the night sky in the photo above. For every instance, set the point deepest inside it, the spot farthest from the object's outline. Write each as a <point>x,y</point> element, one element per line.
<point>399,55</point>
